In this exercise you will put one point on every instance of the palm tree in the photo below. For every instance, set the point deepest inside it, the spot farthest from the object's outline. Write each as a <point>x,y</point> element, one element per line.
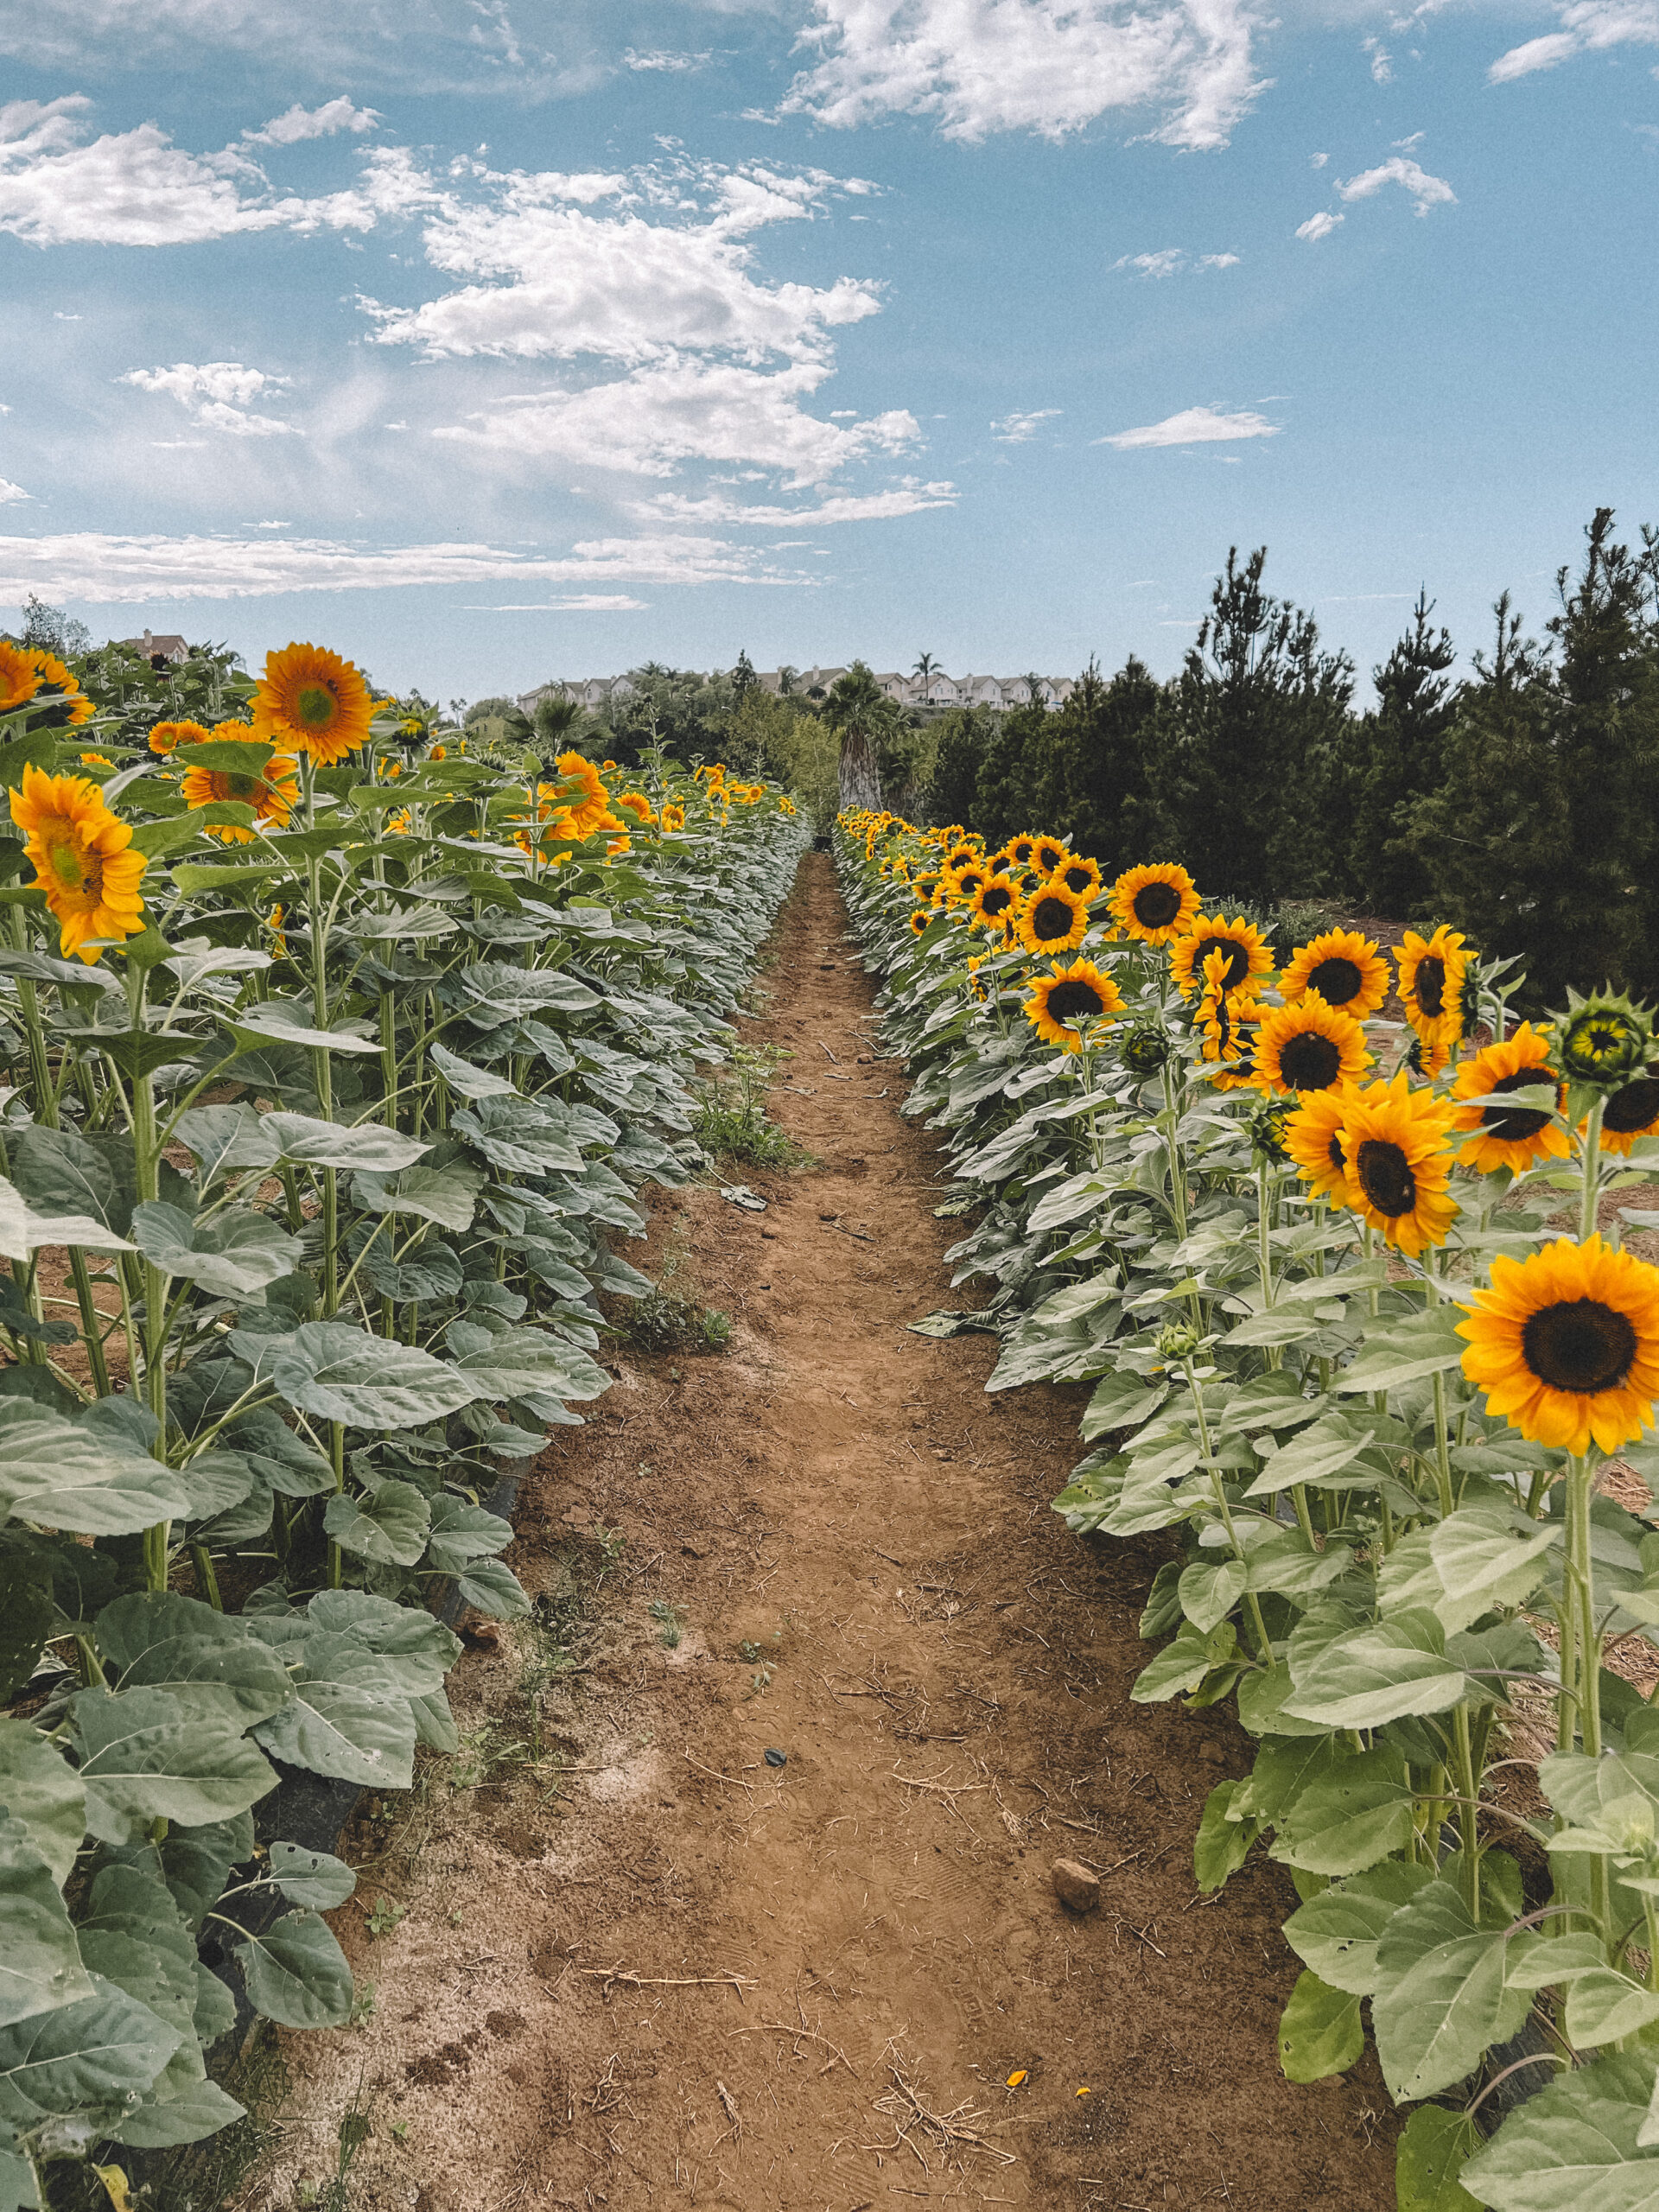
<point>861,711</point>
<point>926,670</point>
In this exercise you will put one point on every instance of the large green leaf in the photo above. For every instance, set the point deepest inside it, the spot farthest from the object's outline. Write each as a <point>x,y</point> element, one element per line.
<point>493,1590</point>
<point>91,2056</point>
<point>387,1525</point>
<point>288,1022</point>
<point>429,1271</point>
<point>146,1755</point>
<point>523,1137</point>
<point>278,1457</point>
<point>61,1171</point>
<point>370,1144</point>
<point>61,1476</point>
<point>1353,1811</point>
<point>446,1195</point>
<point>1575,2146</point>
<point>1222,1844</point>
<point>40,1788</point>
<point>336,1372</point>
<point>419,1651</point>
<point>1603,2006</point>
<point>40,1965</point>
<point>209,1661</point>
<point>200,2109</point>
<point>296,1973</point>
<point>1433,2145</point>
<point>463,1533</point>
<point>467,1080</point>
<point>349,1717</point>
<point>1377,1673</point>
<point>1320,2033</point>
<point>231,1254</point>
<point>1491,1555</point>
<point>1336,1933</point>
<point>227,1138</point>
<point>524,1364</point>
<point>1184,1663</point>
<point>1441,1999</point>
<point>312,1877</point>
<point>1425,1343</point>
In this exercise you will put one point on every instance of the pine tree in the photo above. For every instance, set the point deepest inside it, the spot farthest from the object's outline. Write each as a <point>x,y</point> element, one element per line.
<point>952,794</point>
<point>1399,757</point>
<point>1103,799</point>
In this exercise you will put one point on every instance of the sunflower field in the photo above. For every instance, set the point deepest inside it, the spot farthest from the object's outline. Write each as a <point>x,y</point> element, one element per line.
<point>1338,1244</point>
<point>337,1059</point>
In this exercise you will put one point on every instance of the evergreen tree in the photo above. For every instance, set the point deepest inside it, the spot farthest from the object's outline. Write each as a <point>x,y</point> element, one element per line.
<point>744,678</point>
<point>1399,757</point>
<point>962,733</point>
<point>1091,767</point>
<point>1003,798</point>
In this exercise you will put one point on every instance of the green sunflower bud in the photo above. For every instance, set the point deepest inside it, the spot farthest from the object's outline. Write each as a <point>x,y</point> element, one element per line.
<point>1179,1343</point>
<point>1603,1041</point>
<point>1266,1123</point>
<point>1144,1047</point>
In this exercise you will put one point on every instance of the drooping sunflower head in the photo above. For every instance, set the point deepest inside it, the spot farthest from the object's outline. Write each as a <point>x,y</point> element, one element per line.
<point>1080,875</point>
<point>273,796</point>
<point>1309,1047</point>
<point>82,859</point>
<point>19,677</point>
<point>1052,919</point>
<point>993,900</point>
<point>1064,1007</point>
<point>1048,854</point>
<point>1432,970</point>
<point>167,737</point>
<point>1313,1138</point>
<point>1345,967</point>
<point>1154,905</point>
<point>1632,1113</point>
<point>1516,1137</point>
<point>1244,949</point>
<point>1566,1345</point>
<point>311,700</point>
<point>1602,1040</point>
<point>1398,1163</point>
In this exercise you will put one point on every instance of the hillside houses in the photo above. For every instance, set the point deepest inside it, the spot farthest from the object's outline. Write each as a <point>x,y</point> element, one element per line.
<point>939,691</point>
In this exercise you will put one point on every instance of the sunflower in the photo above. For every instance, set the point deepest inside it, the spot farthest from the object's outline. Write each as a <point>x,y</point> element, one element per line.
<point>273,796</point>
<point>919,921</point>
<point>81,858</point>
<point>925,886</point>
<point>1062,1006</point>
<point>1225,1020</point>
<point>1019,849</point>
<point>1345,969</point>
<point>1632,1112</point>
<point>1314,1138</point>
<point>1080,876</point>
<point>1509,1136</point>
<point>1243,945</point>
<point>1394,1141</point>
<point>1431,986</point>
<point>167,737</point>
<point>1309,1047</point>
<point>993,900</point>
<point>639,806</point>
<point>96,761</point>
<point>1049,854</point>
<point>673,816</point>
<point>1602,1040</point>
<point>1156,904</point>
<point>19,677</point>
<point>1566,1345</point>
<point>967,881</point>
<point>59,692</point>
<point>311,700</point>
<point>962,852</point>
<point>1052,919</point>
<point>592,803</point>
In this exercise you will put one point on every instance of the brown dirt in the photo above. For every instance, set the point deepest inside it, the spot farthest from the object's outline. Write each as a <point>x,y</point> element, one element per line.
<point>841,1961</point>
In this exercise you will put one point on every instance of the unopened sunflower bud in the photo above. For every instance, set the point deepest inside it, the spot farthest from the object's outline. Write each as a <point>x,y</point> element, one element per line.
<point>1144,1047</point>
<point>1602,1040</point>
<point>1179,1343</point>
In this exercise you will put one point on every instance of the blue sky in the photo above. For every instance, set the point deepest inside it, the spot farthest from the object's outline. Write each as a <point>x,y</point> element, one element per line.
<point>491,340</point>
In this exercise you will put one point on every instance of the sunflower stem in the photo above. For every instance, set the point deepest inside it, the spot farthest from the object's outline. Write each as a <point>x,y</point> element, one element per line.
<point>1252,1603</point>
<point>1589,1201</point>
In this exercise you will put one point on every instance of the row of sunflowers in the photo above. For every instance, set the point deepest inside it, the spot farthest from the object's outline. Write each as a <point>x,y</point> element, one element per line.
<point>338,1057</point>
<point>1340,1246</point>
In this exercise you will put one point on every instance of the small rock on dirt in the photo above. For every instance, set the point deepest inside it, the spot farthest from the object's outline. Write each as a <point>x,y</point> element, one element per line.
<point>1074,1885</point>
<point>482,1635</point>
<point>1212,1753</point>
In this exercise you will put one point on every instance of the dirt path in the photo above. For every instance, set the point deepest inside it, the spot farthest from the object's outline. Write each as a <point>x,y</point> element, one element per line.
<point>871,1581</point>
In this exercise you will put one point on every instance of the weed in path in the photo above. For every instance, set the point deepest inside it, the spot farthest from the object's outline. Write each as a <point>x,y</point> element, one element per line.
<point>732,1122</point>
<point>670,1622</point>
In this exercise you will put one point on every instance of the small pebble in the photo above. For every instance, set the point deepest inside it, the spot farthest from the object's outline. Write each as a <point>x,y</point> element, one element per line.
<point>1074,1884</point>
<point>775,1757</point>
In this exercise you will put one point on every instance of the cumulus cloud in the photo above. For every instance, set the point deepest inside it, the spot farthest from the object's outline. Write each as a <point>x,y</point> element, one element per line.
<point>1587,26</point>
<point>1019,428</point>
<point>8,492</point>
<point>313,122</point>
<point>1174,261</point>
<point>218,395</point>
<point>1193,426</point>
<point>1426,191</point>
<point>107,568</point>
<point>1052,67</point>
<point>1319,226</point>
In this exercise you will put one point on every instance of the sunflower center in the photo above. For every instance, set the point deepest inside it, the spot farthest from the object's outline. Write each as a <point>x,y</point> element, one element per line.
<point>970,884</point>
<point>1049,856</point>
<point>1514,1124</point>
<point>1021,852</point>
<point>1334,1152</point>
<point>1236,960</point>
<point>1074,1000</point>
<point>1580,1344</point>
<point>1156,905</point>
<point>1632,1109</point>
<point>317,705</point>
<point>1077,880</point>
<point>1337,980</point>
<point>1385,1176</point>
<point>1051,919</point>
<point>1310,1062</point>
<point>68,863</point>
<point>248,788</point>
<point>1430,985</point>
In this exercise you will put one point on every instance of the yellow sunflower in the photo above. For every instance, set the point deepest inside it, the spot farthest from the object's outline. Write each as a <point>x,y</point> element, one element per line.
<point>1049,854</point>
<point>1431,986</point>
<point>1314,1140</point>
<point>924,885</point>
<point>19,678</point>
<point>1566,1345</point>
<point>1019,849</point>
<point>1345,969</point>
<point>60,689</point>
<point>1079,875</point>
<point>1154,905</point>
<point>1242,944</point>
<point>1309,1047</point>
<point>967,881</point>
<point>1394,1140</point>
<point>919,921</point>
<point>96,761</point>
<point>673,816</point>
<point>1062,1006</point>
<point>962,851</point>
<point>81,858</point>
<point>167,737</point>
<point>273,796</point>
<point>1052,919</point>
<point>1509,1136</point>
<point>313,701</point>
<point>639,806</point>
<point>993,900</point>
<point>590,802</point>
<point>1632,1113</point>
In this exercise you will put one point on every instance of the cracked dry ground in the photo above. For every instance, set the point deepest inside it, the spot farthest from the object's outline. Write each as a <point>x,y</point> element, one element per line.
<point>840,1961</point>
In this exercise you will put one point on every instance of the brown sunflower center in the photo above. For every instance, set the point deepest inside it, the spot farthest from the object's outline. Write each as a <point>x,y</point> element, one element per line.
<point>1074,998</point>
<point>1385,1176</point>
<point>998,897</point>
<point>1051,919</point>
<point>247,788</point>
<point>1514,1124</point>
<point>1049,856</point>
<point>1077,880</point>
<point>1580,1344</point>
<point>1334,1152</point>
<point>1430,985</point>
<point>1236,959</point>
<point>1310,1062</point>
<point>1020,850</point>
<point>970,883</point>
<point>317,705</point>
<point>1337,980</point>
<point>1156,904</point>
<point>1633,1108</point>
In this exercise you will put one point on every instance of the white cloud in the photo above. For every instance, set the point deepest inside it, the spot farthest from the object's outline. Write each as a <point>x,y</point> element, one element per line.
<point>107,568</point>
<point>217,394</point>
<point>584,603</point>
<point>673,65</point>
<point>1193,426</point>
<point>8,492</point>
<point>1426,191</point>
<point>909,496</point>
<point>1052,67</point>
<point>1587,26</point>
<point>1173,261</point>
<point>1019,428</point>
<point>1318,160</point>
<point>1381,60</point>
<point>1319,226</point>
<point>314,122</point>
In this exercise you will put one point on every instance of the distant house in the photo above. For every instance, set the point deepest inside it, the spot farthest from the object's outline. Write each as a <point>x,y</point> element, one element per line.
<point>162,650</point>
